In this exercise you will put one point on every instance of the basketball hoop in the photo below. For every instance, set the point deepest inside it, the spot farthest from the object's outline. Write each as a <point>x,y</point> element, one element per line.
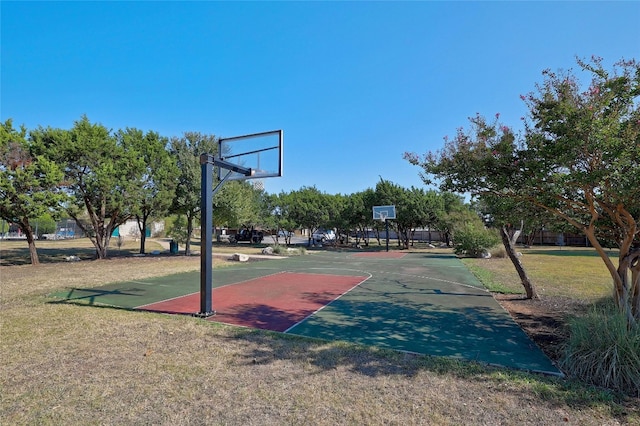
<point>384,213</point>
<point>258,155</point>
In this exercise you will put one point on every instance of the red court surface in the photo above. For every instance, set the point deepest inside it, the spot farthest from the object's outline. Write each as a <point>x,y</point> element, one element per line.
<point>381,255</point>
<point>275,302</point>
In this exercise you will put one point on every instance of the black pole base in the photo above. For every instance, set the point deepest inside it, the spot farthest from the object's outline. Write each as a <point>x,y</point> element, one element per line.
<point>204,314</point>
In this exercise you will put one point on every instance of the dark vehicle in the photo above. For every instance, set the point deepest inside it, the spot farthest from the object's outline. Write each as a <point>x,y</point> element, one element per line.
<point>251,235</point>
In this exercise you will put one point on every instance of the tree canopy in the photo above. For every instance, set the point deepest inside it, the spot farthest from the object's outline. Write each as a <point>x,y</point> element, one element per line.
<point>155,186</point>
<point>100,176</point>
<point>186,150</point>
<point>29,183</point>
<point>578,159</point>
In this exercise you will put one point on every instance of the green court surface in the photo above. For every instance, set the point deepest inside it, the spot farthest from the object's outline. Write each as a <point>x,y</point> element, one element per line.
<point>422,303</point>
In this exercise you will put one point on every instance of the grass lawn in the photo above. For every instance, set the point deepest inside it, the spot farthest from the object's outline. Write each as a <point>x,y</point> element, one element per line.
<point>576,273</point>
<point>71,364</point>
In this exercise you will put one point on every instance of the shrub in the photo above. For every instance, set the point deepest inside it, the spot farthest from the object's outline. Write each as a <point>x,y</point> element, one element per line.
<point>278,249</point>
<point>603,350</point>
<point>286,251</point>
<point>498,252</point>
<point>472,239</point>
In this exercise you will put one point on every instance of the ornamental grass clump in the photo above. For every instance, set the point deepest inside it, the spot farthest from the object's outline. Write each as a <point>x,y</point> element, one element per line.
<point>603,350</point>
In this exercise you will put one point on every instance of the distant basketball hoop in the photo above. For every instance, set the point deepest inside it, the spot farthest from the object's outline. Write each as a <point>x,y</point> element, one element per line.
<point>384,213</point>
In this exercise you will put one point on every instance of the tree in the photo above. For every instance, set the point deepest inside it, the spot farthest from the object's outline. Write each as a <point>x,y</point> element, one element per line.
<point>155,187</point>
<point>389,193</point>
<point>454,209</point>
<point>308,208</point>
<point>336,207</point>
<point>425,208</point>
<point>29,183</point>
<point>415,208</point>
<point>278,208</point>
<point>100,176</point>
<point>502,213</point>
<point>237,203</point>
<point>359,213</point>
<point>186,150</point>
<point>45,223</point>
<point>579,159</point>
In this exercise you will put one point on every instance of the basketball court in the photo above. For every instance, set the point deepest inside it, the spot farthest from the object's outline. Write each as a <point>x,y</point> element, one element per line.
<point>423,303</point>
<point>415,302</point>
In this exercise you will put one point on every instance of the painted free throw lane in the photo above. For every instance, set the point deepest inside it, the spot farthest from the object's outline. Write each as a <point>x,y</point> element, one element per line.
<point>275,302</point>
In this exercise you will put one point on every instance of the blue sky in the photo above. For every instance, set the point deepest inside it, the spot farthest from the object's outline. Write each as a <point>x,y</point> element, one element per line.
<point>352,84</point>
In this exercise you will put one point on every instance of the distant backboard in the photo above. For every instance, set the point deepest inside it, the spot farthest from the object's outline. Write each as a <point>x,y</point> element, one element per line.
<point>261,152</point>
<point>384,212</point>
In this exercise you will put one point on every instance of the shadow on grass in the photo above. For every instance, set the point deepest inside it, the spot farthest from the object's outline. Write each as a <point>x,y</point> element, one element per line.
<point>85,304</point>
<point>20,256</point>
<point>269,347</point>
<point>570,252</point>
<point>370,361</point>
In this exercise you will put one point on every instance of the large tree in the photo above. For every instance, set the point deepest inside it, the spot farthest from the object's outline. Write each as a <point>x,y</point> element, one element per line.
<point>238,203</point>
<point>578,158</point>
<point>308,207</point>
<point>359,213</point>
<point>278,209</point>
<point>100,176</point>
<point>187,150</point>
<point>426,208</point>
<point>29,183</point>
<point>155,186</point>
<point>415,208</point>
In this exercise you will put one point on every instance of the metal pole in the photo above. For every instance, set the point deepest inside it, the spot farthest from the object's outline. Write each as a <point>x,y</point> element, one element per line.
<point>206,236</point>
<point>386,224</point>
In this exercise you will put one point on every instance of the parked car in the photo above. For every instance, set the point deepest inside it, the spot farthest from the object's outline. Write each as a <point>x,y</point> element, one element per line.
<point>251,235</point>
<point>284,233</point>
<point>322,235</point>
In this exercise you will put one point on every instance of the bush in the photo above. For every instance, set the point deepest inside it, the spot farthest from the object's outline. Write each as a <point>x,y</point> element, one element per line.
<point>286,251</point>
<point>472,239</point>
<point>603,351</point>
<point>498,252</point>
<point>278,249</point>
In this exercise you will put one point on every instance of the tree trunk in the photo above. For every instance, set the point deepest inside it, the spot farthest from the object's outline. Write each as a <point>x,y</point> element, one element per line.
<point>28,232</point>
<point>626,290</point>
<point>142,227</point>
<point>187,244</point>
<point>102,244</point>
<point>627,295</point>
<point>529,288</point>
<point>635,285</point>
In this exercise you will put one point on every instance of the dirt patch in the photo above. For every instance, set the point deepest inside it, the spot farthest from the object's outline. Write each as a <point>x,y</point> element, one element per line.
<point>544,320</point>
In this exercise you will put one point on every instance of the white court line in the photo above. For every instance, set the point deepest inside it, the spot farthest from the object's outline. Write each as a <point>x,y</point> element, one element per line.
<point>408,275</point>
<point>322,307</point>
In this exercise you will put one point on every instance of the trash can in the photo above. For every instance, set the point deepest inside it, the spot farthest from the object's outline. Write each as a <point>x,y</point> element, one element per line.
<point>173,247</point>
